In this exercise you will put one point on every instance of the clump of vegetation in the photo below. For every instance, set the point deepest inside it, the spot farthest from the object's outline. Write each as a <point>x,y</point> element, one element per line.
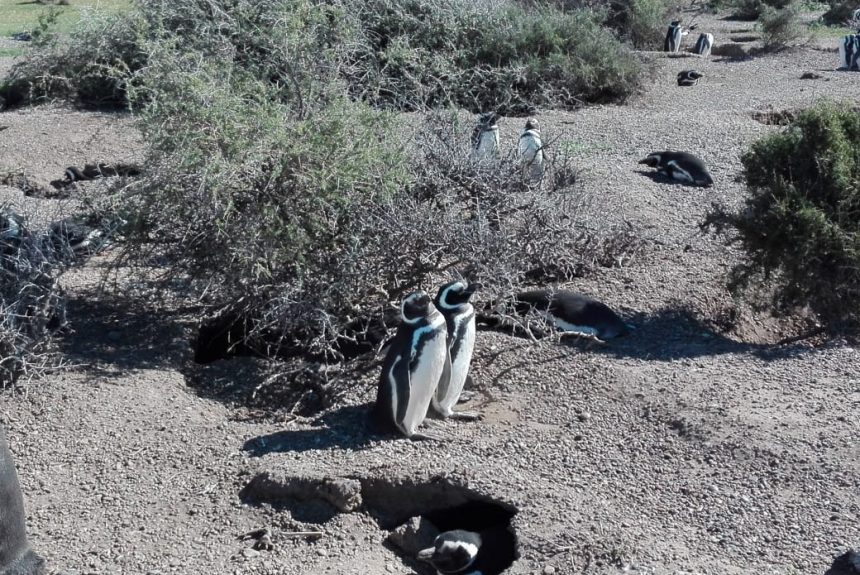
<point>32,307</point>
<point>91,67</point>
<point>481,56</point>
<point>839,13</point>
<point>780,28</point>
<point>800,229</point>
<point>640,22</point>
<point>753,9</point>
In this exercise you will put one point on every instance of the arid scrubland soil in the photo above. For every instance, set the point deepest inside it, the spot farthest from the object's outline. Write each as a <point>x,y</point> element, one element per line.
<point>679,449</point>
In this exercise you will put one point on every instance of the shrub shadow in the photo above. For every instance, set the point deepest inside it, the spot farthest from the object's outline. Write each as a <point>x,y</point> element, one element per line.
<point>674,333</point>
<point>345,428</point>
<point>110,335</point>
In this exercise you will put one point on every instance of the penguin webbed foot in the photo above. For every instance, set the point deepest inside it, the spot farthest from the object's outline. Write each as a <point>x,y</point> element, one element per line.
<point>466,415</point>
<point>466,396</point>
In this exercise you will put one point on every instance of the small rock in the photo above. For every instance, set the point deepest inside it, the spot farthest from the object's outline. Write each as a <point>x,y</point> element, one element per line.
<point>548,570</point>
<point>414,535</point>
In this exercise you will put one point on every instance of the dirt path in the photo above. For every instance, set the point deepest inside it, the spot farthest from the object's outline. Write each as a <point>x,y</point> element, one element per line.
<point>676,450</point>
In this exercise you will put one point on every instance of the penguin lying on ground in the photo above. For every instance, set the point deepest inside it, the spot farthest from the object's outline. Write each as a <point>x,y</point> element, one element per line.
<point>453,302</point>
<point>71,238</point>
<point>469,553</point>
<point>485,138</point>
<point>575,313</point>
<point>689,77</point>
<point>531,152</point>
<point>415,363</point>
<point>16,557</point>
<point>846,564</point>
<point>680,166</point>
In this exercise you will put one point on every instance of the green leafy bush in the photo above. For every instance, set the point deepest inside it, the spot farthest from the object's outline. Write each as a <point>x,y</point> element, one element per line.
<point>753,9</point>
<point>780,28</point>
<point>91,67</point>
<point>800,229</point>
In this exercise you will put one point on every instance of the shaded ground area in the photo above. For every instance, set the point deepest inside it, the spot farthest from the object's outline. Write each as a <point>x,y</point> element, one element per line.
<point>680,449</point>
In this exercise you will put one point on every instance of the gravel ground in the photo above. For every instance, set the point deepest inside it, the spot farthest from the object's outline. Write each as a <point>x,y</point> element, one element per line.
<point>676,450</point>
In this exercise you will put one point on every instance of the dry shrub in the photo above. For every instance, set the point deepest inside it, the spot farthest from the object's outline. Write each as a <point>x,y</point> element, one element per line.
<point>32,307</point>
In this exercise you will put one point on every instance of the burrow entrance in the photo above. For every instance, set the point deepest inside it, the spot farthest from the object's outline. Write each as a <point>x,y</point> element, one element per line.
<point>413,511</point>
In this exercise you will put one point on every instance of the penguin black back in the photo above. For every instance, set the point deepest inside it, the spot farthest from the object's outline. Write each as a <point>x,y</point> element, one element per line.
<point>680,166</point>
<point>574,312</point>
<point>846,564</point>
<point>689,77</point>
<point>412,368</point>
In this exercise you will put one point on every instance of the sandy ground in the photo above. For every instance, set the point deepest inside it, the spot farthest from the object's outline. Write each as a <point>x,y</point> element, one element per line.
<point>676,450</point>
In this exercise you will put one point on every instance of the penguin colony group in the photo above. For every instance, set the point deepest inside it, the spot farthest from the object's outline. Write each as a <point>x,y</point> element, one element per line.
<point>486,147</point>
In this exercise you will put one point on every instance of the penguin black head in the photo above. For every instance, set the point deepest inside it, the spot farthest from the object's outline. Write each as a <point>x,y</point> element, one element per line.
<point>675,23</point>
<point>452,551</point>
<point>532,124</point>
<point>454,294</point>
<point>846,564</point>
<point>652,160</point>
<point>487,120</point>
<point>415,307</point>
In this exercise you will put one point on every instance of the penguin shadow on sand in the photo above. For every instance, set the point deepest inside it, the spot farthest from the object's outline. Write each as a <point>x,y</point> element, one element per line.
<point>340,428</point>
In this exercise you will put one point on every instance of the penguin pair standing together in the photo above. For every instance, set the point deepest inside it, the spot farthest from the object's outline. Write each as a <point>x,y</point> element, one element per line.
<point>485,145</point>
<point>428,361</point>
<point>674,35</point>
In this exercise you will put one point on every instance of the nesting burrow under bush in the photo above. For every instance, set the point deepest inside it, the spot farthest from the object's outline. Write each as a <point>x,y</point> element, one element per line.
<point>414,512</point>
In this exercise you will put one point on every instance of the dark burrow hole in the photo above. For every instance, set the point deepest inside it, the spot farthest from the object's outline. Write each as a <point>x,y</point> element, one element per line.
<point>413,511</point>
<point>231,334</point>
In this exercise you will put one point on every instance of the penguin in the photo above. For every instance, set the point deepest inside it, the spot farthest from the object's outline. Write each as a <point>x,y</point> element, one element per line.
<point>12,234</point>
<point>672,43</point>
<point>485,138</point>
<point>531,151</point>
<point>849,52</point>
<point>572,312</point>
<point>453,302</point>
<point>464,552</point>
<point>704,44</point>
<point>689,77</point>
<point>680,166</point>
<point>413,366</point>
<point>67,236</point>
<point>846,564</point>
<point>16,556</point>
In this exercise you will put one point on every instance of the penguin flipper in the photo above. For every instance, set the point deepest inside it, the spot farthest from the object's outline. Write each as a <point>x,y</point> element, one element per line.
<point>443,385</point>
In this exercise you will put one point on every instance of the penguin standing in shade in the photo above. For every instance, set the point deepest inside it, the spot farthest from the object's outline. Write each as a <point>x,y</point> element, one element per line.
<point>485,138</point>
<point>453,301</point>
<point>688,77</point>
<point>672,43</point>
<point>531,152</point>
<point>70,238</point>
<point>574,313</point>
<point>681,167</point>
<point>704,44</point>
<point>470,553</point>
<point>16,556</point>
<point>415,363</point>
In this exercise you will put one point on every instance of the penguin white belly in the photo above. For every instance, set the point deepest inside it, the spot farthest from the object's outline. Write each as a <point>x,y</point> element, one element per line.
<point>488,145</point>
<point>532,155</point>
<point>572,327</point>
<point>459,371</point>
<point>424,379</point>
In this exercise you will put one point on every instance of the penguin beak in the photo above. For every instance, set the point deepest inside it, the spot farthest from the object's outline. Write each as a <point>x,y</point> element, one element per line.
<point>473,288</point>
<point>426,554</point>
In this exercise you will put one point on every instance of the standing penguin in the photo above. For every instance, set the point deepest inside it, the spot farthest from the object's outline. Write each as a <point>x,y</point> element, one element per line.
<point>680,166</point>
<point>672,43</point>
<point>415,363</point>
<point>689,77</point>
<point>849,52</point>
<point>704,44</point>
<point>575,313</point>
<point>453,301</point>
<point>531,152</point>
<point>471,553</point>
<point>16,557</point>
<point>485,138</point>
